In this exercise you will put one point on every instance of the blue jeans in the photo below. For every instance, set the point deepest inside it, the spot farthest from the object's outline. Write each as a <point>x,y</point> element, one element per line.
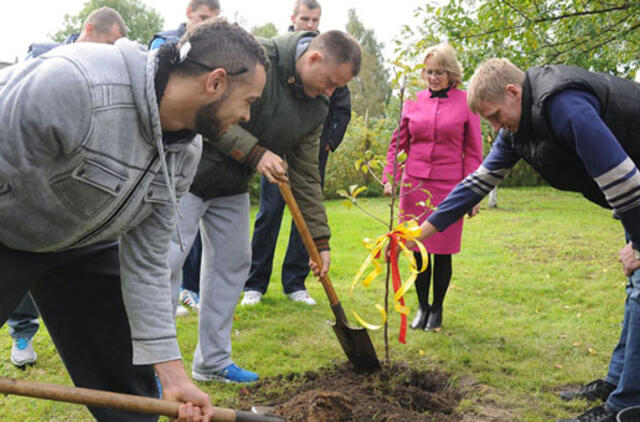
<point>191,267</point>
<point>263,245</point>
<point>624,367</point>
<point>23,323</point>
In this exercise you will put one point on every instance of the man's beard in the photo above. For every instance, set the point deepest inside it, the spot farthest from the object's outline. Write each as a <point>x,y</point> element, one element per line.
<point>208,123</point>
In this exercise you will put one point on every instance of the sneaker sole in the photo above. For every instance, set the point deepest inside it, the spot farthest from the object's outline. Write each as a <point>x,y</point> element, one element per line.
<point>23,364</point>
<point>212,377</point>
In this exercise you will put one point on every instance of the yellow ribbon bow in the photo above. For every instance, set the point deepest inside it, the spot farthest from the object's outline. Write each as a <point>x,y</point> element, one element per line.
<point>409,230</point>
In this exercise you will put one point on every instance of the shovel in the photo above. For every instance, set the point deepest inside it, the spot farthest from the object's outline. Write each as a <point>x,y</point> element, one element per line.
<point>354,341</point>
<point>125,402</point>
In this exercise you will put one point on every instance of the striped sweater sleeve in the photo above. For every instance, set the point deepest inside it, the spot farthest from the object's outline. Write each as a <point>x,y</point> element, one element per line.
<point>574,117</point>
<point>477,185</point>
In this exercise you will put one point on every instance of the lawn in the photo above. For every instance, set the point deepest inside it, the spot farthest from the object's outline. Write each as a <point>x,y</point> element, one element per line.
<point>535,303</point>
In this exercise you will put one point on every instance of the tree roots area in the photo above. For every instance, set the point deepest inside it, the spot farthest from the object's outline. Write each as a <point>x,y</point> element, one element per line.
<point>339,394</point>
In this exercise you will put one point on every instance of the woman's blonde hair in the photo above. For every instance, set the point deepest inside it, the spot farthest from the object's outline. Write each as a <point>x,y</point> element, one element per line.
<point>445,56</point>
<point>489,81</point>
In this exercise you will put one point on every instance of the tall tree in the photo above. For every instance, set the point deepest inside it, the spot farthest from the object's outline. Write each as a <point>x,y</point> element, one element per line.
<point>268,30</point>
<point>370,90</point>
<point>142,21</point>
<point>599,35</point>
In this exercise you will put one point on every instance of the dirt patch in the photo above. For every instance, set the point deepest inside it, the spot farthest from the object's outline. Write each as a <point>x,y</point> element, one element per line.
<point>339,394</point>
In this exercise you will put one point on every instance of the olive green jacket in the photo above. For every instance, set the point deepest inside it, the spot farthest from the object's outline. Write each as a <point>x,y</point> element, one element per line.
<point>284,121</point>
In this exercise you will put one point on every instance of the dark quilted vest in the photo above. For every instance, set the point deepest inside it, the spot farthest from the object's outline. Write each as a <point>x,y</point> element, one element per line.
<point>557,162</point>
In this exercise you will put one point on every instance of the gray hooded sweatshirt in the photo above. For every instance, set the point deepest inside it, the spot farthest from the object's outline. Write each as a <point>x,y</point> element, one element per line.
<point>82,161</point>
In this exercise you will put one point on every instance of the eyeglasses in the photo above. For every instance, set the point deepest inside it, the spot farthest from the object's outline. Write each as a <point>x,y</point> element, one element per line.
<point>206,66</point>
<point>436,73</point>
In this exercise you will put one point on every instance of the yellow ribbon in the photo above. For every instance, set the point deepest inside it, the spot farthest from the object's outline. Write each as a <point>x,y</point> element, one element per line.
<point>409,230</point>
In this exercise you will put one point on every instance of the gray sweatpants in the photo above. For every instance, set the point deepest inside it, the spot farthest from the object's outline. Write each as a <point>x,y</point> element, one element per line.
<point>226,257</point>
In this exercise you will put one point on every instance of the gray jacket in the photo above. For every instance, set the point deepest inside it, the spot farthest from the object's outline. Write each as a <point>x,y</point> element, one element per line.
<point>82,161</point>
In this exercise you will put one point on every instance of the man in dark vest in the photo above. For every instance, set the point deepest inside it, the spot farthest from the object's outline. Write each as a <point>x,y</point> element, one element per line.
<point>580,131</point>
<point>281,142</point>
<point>295,267</point>
<point>103,25</point>
<point>197,12</point>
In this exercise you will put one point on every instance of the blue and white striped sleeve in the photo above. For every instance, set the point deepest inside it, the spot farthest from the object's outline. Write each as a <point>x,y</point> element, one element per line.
<point>477,185</point>
<point>574,116</point>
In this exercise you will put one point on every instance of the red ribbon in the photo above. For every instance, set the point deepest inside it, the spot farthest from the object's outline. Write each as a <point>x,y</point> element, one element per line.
<point>397,282</point>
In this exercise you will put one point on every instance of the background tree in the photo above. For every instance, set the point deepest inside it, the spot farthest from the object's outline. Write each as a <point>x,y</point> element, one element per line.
<point>268,30</point>
<point>142,21</point>
<point>370,90</point>
<point>597,35</point>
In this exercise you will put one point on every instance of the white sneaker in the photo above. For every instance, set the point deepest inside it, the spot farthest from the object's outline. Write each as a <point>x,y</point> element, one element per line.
<point>251,297</point>
<point>22,352</point>
<point>302,296</point>
<point>181,311</point>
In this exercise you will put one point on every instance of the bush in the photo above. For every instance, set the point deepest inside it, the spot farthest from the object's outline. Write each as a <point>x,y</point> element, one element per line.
<point>364,140</point>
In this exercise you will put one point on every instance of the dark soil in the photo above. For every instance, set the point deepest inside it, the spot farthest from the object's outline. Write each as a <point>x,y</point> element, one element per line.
<point>339,394</point>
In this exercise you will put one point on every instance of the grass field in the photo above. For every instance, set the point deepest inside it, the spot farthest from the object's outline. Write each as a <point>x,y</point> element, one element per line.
<point>535,303</point>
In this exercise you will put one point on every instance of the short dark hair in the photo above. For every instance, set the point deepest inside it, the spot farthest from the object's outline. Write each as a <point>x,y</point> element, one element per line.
<point>339,46</point>
<point>310,4</point>
<point>219,44</point>
<point>103,20</point>
<point>212,4</point>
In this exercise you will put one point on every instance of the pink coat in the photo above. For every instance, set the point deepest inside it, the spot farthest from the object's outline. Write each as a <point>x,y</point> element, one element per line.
<point>441,137</point>
<point>443,143</point>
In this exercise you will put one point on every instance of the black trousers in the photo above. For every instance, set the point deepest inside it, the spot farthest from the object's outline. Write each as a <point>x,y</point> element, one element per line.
<point>78,295</point>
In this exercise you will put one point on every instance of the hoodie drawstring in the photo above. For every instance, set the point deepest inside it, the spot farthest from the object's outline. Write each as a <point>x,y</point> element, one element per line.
<point>171,187</point>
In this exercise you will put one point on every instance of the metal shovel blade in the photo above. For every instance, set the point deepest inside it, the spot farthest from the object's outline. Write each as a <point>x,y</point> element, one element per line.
<point>356,343</point>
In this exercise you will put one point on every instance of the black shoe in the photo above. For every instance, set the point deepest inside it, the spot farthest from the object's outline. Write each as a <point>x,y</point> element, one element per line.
<point>420,321</point>
<point>596,414</point>
<point>435,320</point>
<point>629,414</point>
<point>595,390</point>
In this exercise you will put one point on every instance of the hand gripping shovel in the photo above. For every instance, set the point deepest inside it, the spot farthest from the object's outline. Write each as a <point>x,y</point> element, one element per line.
<point>125,402</point>
<point>354,341</point>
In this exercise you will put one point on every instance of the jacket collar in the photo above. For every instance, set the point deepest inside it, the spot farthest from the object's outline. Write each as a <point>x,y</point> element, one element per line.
<point>525,130</point>
<point>286,48</point>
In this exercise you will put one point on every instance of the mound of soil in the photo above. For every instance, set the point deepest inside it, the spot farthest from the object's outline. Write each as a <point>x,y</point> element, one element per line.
<point>339,394</point>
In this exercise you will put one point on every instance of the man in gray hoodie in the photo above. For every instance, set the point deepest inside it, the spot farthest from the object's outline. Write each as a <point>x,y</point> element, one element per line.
<point>97,143</point>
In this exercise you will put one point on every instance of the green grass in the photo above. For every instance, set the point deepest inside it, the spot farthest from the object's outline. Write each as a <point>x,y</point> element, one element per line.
<point>535,303</point>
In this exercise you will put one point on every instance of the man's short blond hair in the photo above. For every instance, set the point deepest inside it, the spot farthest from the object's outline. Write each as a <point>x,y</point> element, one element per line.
<point>488,83</point>
<point>445,57</point>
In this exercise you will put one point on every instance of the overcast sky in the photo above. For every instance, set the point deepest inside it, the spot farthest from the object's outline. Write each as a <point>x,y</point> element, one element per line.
<point>32,21</point>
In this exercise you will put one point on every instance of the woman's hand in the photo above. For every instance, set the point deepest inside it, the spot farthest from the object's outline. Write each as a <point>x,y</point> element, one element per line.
<point>388,189</point>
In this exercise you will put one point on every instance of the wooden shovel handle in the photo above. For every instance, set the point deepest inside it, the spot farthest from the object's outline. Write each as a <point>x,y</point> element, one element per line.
<point>312,249</point>
<point>98,398</point>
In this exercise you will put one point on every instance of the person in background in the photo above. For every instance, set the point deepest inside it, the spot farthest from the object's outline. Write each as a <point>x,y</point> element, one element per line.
<point>443,143</point>
<point>198,11</point>
<point>103,25</point>
<point>295,268</point>
<point>579,130</point>
<point>306,16</point>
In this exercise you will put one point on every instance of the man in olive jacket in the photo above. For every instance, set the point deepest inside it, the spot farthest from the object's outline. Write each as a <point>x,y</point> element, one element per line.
<point>281,142</point>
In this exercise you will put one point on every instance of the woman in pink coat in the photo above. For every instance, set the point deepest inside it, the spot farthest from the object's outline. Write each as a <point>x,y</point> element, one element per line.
<point>443,143</point>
